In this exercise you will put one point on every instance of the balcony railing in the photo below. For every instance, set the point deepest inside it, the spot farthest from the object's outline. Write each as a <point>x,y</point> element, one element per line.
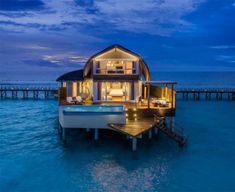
<point>100,71</point>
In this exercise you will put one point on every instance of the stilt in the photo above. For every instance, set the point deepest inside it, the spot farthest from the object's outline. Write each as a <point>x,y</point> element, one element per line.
<point>172,123</point>
<point>194,96</point>
<point>63,134</point>
<point>134,143</point>
<point>233,96</point>
<point>150,133</point>
<point>155,130</point>
<point>96,134</point>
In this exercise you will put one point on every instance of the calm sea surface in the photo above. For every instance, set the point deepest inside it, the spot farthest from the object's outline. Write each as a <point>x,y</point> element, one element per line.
<point>33,158</point>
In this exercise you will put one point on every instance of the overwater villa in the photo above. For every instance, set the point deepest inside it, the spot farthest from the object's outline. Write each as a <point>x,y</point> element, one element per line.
<point>114,91</point>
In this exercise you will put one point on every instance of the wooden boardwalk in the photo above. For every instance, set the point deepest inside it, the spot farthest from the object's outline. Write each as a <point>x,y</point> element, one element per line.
<point>206,93</point>
<point>18,92</point>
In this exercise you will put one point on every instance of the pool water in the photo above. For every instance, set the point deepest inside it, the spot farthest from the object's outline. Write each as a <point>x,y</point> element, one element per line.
<point>93,108</point>
<point>33,158</point>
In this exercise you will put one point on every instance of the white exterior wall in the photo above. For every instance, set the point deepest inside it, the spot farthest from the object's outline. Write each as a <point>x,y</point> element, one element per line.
<point>99,120</point>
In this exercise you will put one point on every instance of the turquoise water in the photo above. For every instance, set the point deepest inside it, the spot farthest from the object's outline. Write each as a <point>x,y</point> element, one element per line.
<point>33,158</point>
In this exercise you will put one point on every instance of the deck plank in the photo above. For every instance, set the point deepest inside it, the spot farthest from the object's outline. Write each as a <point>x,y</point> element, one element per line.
<point>134,128</point>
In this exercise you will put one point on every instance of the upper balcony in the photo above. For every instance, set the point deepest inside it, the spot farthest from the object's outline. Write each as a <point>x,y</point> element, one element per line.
<point>115,67</point>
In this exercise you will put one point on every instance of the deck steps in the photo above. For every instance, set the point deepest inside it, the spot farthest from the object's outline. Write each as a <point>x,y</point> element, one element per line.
<point>174,134</point>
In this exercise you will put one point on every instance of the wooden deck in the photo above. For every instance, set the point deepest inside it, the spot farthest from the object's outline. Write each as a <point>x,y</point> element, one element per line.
<point>134,128</point>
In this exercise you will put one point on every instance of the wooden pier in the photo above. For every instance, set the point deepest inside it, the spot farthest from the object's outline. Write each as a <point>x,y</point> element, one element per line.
<point>27,92</point>
<point>206,93</point>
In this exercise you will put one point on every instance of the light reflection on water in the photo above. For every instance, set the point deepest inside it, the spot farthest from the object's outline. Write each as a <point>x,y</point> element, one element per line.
<point>33,158</point>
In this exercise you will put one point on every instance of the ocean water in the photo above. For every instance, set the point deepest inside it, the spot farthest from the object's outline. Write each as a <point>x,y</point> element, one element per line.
<point>33,158</point>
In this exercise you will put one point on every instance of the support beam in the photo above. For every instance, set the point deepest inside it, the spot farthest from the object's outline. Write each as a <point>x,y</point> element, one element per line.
<point>96,136</point>
<point>134,143</point>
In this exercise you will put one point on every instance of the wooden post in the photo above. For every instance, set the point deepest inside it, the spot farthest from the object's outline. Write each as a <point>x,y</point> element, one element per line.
<point>233,96</point>
<point>96,136</point>
<point>134,143</point>
<point>63,134</point>
<point>155,130</point>
<point>148,95</point>
<point>150,133</point>
<point>172,122</point>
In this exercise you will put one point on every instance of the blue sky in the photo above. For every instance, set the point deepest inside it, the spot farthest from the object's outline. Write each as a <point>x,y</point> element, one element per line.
<point>40,39</point>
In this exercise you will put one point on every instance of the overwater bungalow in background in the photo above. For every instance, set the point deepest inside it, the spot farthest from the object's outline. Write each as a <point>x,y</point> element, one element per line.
<point>114,91</point>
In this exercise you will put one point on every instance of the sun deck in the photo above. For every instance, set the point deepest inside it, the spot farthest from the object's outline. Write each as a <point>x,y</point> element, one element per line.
<point>134,128</point>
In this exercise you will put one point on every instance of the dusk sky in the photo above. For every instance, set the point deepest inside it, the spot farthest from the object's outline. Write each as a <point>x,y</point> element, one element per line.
<point>40,39</point>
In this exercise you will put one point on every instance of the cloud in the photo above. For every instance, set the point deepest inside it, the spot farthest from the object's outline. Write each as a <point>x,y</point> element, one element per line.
<point>66,59</point>
<point>223,47</point>
<point>143,16</point>
<point>226,58</point>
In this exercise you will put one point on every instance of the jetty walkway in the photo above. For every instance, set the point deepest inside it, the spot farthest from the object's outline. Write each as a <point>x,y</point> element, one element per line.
<point>22,92</point>
<point>206,93</point>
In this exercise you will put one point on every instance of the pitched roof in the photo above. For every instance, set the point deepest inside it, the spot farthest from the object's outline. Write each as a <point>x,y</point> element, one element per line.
<point>71,76</point>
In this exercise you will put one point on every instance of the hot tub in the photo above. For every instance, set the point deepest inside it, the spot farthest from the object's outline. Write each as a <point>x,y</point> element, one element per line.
<point>92,116</point>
